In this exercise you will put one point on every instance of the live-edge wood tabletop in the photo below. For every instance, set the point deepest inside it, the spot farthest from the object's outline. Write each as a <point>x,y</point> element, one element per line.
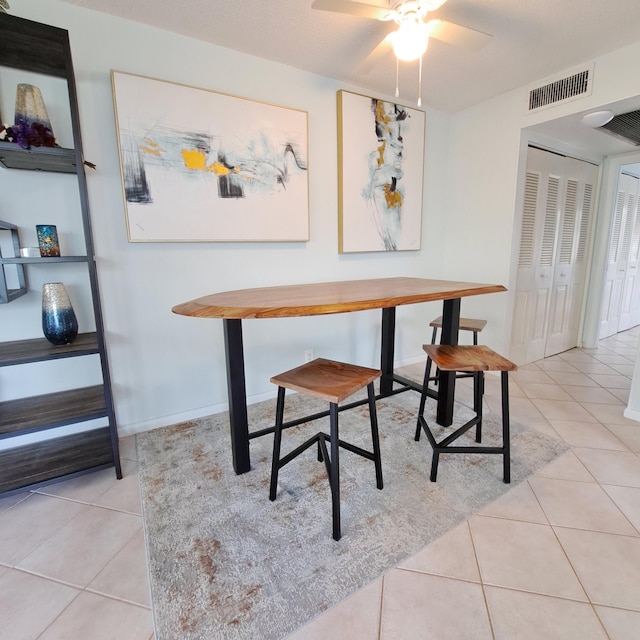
<point>328,297</point>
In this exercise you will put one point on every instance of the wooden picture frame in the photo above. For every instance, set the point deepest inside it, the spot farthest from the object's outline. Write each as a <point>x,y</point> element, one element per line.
<point>380,174</point>
<point>202,166</point>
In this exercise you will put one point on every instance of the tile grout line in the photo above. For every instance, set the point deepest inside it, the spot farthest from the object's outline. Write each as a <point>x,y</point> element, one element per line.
<point>81,589</point>
<point>482,586</point>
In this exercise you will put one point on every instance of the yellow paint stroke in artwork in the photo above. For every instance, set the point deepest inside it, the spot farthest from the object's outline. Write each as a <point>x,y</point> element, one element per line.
<point>194,159</point>
<point>219,169</point>
<point>197,161</point>
<point>381,116</point>
<point>393,198</point>
<point>381,148</point>
<point>152,148</point>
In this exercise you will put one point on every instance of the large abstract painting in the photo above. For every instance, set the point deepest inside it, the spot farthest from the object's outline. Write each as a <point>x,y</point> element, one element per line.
<point>380,174</point>
<point>199,165</point>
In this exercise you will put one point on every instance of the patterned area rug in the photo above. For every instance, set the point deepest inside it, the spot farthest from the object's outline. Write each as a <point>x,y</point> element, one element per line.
<point>225,562</point>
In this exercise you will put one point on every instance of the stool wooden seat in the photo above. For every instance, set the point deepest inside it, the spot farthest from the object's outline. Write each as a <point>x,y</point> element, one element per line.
<point>466,324</point>
<point>473,359</point>
<point>475,325</point>
<point>334,382</point>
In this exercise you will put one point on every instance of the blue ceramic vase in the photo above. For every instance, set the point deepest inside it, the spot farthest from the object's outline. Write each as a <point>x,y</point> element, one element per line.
<point>59,322</point>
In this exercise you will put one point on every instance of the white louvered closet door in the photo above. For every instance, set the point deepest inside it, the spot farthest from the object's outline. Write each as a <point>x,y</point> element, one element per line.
<point>621,300</point>
<point>632,317</point>
<point>570,273</point>
<point>556,223</point>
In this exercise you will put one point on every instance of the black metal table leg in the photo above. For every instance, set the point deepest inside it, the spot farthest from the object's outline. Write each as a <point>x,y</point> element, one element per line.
<point>236,389</point>
<point>447,380</point>
<point>386,349</point>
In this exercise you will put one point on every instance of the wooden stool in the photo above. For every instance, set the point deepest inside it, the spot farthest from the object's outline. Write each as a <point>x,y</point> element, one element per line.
<point>474,325</point>
<point>334,382</point>
<point>475,360</point>
<point>466,324</point>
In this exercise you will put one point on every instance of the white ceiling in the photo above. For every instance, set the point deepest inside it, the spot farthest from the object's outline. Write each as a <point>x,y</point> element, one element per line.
<point>532,39</point>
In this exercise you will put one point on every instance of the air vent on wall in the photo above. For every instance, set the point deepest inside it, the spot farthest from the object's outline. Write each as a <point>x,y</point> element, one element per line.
<point>569,87</point>
<point>625,126</point>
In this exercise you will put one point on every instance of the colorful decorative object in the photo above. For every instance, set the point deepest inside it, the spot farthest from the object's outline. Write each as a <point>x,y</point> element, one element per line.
<point>32,127</point>
<point>48,240</point>
<point>380,174</point>
<point>204,166</point>
<point>59,322</point>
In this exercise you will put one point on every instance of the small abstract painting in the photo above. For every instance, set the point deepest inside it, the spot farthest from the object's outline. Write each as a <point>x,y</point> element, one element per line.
<point>202,166</point>
<point>380,174</point>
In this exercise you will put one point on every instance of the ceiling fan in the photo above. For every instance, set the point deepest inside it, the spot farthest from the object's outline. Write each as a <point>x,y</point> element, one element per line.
<point>409,41</point>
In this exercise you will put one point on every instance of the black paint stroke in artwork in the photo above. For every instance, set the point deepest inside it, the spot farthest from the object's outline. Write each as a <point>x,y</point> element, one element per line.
<point>136,187</point>
<point>228,185</point>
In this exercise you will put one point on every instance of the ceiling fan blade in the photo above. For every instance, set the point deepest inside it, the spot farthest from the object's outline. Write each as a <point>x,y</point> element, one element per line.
<point>457,35</point>
<point>381,50</point>
<point>352,7</point>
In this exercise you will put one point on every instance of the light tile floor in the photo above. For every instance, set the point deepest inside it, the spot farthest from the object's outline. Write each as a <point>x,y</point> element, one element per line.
<point>557,556</point>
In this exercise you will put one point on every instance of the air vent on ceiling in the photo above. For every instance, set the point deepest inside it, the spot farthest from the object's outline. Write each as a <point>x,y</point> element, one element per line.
<point>569,87</point>
<point>625,126</point>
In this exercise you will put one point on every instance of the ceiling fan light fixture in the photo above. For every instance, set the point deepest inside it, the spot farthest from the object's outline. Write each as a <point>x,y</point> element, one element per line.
<point>410,40</point>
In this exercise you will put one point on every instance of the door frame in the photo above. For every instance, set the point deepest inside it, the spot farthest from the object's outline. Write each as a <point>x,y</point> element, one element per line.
<point>611,168</point>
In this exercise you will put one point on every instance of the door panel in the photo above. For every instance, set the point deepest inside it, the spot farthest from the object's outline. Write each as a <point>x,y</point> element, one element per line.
<point>621,298</point>
<point>554,243</point>
<point>629,300</point>
<point>569,279</point>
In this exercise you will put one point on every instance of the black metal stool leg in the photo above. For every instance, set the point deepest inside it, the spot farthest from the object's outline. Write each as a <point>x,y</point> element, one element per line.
<point>374,434</point>
<point>275,461</point>
<point>478,394</point>
<point>423,397</point>
<point>506,441</point>
<point>433,341</point>
<point>434,465</point>
<point>334,476</point>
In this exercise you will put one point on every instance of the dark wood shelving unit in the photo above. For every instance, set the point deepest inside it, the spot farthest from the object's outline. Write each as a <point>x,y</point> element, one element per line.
<point>46,454</point>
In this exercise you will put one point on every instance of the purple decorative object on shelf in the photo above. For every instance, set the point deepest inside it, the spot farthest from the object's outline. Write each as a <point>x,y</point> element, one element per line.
<point>59,322</point>
<point>32,127</point>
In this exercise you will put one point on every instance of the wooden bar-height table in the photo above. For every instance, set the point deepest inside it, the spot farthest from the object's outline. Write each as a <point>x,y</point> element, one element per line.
<point>321,299</point>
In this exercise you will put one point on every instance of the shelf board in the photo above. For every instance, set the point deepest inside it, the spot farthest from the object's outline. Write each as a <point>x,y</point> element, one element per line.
<point>51,410</point>
<point>13,294</point>
<point>34,46</point>
<point>40,349</point>
<point>41,260</point>
<point>43,462</point>
<point>54,159</point>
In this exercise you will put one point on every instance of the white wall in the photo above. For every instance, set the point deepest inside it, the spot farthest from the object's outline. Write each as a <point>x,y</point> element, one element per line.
<point>166,367</point>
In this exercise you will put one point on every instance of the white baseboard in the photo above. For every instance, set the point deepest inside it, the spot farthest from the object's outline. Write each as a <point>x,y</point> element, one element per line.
<point>632,414</point>
<point>201,412</point>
